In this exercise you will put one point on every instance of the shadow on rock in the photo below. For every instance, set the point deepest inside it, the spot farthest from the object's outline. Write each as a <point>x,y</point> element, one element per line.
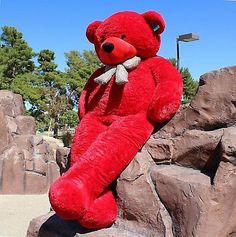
<point>52,225</point>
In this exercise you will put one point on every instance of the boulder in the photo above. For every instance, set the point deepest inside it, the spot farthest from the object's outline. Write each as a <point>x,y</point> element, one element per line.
<point>140,207</point>
<point>11,104</point>
<point>63,158</point>
<point>25,125</point>
<point>27,162</point>
<point>111,232</point>
<point>11,124</point>
<point>4,135</point>
<point>13,176</point>
<point>54,144</point>
<point>196,148</point>
<point>50,225</point>
<point>198,208</point>
<point>213,107</point>
<point>32,166</point>
<point>228,145</point>
<point>160,149</point>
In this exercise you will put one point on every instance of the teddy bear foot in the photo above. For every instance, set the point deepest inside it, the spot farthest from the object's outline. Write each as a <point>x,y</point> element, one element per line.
<point>69,199</point>
<point>101,213</point>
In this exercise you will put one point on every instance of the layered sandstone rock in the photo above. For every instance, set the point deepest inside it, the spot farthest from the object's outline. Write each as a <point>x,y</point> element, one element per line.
<point>183,182</point>
<point>27,162</point>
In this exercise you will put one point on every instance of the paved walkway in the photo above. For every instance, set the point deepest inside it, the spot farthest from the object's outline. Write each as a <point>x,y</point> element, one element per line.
<point>16,211</point>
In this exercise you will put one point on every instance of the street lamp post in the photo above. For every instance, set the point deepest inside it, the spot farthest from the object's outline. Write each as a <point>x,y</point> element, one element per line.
<point>185,38</point>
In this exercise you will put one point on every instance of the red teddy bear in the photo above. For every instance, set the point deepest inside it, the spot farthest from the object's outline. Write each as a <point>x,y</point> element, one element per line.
<point>119,108</point>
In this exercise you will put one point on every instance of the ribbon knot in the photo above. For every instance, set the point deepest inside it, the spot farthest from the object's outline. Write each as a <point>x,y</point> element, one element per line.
<point>120,71</point>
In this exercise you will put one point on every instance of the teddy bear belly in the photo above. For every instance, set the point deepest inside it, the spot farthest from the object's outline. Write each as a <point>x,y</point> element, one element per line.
<point>132,98</point>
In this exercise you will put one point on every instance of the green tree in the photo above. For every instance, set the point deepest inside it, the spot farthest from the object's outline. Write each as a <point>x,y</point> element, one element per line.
<point>190,85</point>
<point>70,118</point>
<point>2,81</point>
<point>49,95</point>
<point>16,57</point>
<point>46,59</point>
<point>54,105</point>
<point>80,68</point>
<point>17,67</point>
<point>30,86</point>
<point>54,101</point>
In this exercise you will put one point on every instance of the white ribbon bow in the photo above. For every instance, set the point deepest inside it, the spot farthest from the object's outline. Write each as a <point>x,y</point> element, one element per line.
<point>119,70</point>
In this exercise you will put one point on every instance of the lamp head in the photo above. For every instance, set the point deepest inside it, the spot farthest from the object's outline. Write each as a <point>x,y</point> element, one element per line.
<point>188,37</point>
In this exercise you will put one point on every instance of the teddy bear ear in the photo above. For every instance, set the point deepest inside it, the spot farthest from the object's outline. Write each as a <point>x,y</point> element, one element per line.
<point>91,29</point>
<point>155,20</point>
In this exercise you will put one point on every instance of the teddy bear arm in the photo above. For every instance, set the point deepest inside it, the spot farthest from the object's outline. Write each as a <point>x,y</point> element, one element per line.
<point>87,89</point>
<point>168,93</point>
<point>81,104</point>
<point>85,134</point>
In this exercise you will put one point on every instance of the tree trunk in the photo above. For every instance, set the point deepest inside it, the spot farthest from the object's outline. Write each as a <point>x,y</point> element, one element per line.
<point>49,127</point>
<point>55,129</point>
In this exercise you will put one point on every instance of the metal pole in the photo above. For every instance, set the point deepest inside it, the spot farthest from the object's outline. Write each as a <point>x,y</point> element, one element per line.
<point>177,45</point>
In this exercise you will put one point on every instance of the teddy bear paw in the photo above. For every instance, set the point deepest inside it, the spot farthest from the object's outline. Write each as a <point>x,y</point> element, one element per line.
<point>101,213</point>
<point>69,198</point>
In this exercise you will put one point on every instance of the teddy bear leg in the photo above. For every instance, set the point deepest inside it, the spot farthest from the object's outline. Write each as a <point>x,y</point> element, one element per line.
<point>101,213</point>
<point>69,199</point>
<point>92,213</point>
<point>85,134</point>
<point>73,194</point>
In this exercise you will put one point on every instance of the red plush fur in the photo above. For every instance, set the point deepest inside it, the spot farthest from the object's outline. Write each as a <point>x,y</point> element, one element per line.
<point>116,120</point>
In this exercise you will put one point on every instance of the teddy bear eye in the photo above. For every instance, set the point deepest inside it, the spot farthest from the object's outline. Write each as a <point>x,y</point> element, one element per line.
<point>123,36</point>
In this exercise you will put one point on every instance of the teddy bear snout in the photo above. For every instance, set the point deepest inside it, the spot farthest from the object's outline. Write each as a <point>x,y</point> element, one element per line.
<point>108,47</point>
<point>115,50</point>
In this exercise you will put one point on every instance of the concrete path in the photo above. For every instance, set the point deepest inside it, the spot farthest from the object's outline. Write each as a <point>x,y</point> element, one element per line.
<point>16,211</point>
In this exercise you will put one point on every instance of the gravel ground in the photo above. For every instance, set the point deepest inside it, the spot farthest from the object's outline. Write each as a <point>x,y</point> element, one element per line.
<point>16,211</point>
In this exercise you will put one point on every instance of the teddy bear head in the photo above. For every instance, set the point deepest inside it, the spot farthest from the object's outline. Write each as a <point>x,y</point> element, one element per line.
<point>125,35</point>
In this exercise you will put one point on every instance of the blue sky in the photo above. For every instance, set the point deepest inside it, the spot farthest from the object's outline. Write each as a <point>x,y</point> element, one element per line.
<point>60,25</point>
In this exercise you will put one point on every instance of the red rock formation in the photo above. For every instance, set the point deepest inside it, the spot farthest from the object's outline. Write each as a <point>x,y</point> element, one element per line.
<point>27,162</point>
<point>183,182</point>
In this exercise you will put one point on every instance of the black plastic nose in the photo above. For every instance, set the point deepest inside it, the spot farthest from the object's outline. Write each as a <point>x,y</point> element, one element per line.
<point>108,47</point>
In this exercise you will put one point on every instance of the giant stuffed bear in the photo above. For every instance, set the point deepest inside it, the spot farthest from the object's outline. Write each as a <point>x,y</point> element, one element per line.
<point>119,108</point>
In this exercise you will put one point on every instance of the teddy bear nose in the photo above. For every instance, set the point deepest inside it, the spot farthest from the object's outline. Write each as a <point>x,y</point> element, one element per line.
<point>108,47</point>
